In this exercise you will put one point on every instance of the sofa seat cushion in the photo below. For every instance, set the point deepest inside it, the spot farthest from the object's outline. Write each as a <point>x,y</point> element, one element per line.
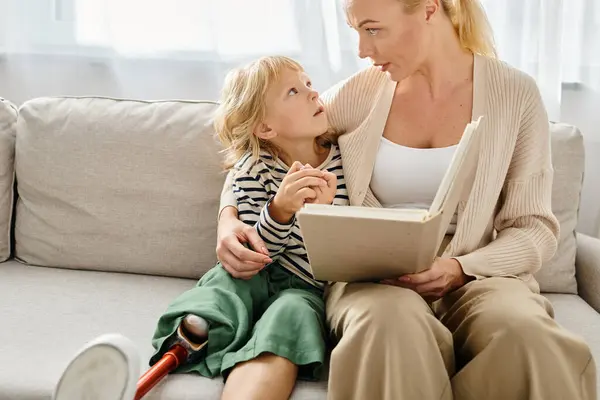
<point>59,318</point>
<point>59,310</point>
<point>577,316</point>
<point>8,120</point>
<point>117,185</point>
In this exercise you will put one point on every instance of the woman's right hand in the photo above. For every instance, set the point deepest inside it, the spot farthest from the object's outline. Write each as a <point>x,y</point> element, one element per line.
<point>295,190</point>
<point>238,260</point>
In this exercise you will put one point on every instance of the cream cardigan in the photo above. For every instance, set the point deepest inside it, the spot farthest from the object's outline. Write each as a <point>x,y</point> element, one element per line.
<point>505,224</point>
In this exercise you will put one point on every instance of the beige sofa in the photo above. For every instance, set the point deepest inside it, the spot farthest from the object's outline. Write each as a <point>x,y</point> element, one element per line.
<point>116,215</point>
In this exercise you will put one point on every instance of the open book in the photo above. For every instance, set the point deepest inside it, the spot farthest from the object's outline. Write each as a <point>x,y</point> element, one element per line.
<point>353,244</point>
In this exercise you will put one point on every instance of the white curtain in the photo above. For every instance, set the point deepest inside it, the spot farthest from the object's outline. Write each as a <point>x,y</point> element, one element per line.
<point>556,41</point>
<point>173,44</point>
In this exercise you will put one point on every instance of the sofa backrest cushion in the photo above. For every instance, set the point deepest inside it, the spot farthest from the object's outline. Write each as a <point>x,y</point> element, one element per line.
<point>558,275</point>
<point>133,186</point>
<point>117,185</point>
<point>8,119</point>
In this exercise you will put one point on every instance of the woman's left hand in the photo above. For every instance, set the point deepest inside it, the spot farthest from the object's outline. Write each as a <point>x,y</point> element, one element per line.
<point>445,275</point>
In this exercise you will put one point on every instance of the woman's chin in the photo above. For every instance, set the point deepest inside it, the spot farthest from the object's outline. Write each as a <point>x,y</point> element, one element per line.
<point>396,74</point>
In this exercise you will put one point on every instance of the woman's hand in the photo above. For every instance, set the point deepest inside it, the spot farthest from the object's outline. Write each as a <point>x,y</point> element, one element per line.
<point>238,260</point>
<point>445,275</point>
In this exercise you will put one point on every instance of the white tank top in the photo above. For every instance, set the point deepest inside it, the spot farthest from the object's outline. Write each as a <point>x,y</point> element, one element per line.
<point>409,177</point>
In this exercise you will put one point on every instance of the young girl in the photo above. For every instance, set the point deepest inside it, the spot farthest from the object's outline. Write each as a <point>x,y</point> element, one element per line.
<point>265,328</point>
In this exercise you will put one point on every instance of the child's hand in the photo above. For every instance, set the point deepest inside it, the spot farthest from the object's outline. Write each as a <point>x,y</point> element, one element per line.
<point>296,189</point>
<point>326,194</point>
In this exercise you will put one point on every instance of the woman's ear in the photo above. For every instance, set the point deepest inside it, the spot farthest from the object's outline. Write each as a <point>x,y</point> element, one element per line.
<point>431,8</point>
<point>263,131</point>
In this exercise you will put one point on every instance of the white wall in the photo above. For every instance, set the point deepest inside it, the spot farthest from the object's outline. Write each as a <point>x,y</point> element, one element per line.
<point>34,76</point>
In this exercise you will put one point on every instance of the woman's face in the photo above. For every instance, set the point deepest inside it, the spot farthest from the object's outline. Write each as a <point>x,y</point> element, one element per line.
<point>394,41</point>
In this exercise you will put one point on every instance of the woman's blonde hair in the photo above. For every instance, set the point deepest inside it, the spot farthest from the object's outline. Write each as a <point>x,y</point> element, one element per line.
<point>242,106</point>
<point>470,22</point>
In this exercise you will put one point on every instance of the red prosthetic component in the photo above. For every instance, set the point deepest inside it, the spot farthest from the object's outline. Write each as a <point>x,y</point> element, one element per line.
<point>171,360</point>
<point>193,330</point>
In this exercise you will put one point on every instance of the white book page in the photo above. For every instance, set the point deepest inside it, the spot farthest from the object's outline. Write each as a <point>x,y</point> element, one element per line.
<point>452,171</point>
<point>394,214</point>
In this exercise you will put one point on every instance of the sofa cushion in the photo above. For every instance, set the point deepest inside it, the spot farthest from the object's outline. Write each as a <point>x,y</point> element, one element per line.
<point>558,274</point>
<point>133,186</point>
<point>577,316</point>
<point>50,322</point>
<point>60,319</point>
<point>8,119</point>
<point>117,185</point>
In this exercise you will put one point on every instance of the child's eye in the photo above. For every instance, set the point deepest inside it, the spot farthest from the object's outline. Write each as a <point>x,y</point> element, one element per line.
<point>372,31</point>
<point>292,92</point>
<point>309,84</point>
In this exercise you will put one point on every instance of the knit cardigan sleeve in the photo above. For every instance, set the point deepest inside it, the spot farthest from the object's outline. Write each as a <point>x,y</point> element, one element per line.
<point>349,102</point>
<point>527,230</point>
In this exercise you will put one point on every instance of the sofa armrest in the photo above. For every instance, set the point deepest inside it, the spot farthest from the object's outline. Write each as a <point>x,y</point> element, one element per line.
<point>587,265</point>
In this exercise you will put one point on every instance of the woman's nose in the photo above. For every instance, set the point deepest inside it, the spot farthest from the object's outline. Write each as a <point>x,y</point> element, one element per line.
<point>364,49</point>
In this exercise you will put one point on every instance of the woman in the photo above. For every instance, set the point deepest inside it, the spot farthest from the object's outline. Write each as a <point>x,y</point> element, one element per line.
<point>474,325</point>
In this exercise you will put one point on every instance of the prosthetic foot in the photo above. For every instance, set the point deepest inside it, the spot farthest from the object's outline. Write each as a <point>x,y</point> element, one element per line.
<point>191,337</point>
<point>106,368</point>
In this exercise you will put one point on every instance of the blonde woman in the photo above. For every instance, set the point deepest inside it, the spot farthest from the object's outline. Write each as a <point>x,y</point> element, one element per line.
<point>261,329</point>
<point>473,326</point>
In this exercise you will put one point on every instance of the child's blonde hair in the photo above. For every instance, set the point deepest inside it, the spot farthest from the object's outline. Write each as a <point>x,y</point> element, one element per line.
<point>242,106</point>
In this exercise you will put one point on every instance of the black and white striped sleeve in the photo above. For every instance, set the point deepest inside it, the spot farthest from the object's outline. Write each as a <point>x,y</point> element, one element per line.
<point>275,235</point>
<point>253,197</point>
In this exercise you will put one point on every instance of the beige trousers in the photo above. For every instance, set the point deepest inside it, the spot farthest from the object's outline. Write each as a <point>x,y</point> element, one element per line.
<point>491,339</point>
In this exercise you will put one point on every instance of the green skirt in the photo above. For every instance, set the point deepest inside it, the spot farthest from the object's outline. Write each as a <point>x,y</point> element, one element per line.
<point>273,312</point>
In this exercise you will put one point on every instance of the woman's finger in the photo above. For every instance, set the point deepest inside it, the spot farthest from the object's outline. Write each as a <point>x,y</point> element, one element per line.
<point>246,259</point>
<point>239,274</point>
<point>436,286</point>
<point>429,275</point>
<point>396,282</point>
<point>231,262</point>
<point>227,261</point>
<point>251,235</point>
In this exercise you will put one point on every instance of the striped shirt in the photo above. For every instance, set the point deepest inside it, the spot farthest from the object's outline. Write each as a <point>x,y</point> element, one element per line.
<point>255,184</point>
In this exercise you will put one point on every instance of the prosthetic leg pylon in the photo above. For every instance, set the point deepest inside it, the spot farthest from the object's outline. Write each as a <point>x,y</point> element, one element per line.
<point>191,337</point>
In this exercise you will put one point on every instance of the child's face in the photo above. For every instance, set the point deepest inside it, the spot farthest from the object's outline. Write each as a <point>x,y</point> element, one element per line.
<point>294,110</point>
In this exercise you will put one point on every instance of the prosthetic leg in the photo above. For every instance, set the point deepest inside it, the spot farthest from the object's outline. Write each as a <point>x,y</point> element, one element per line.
<point>190,339</point>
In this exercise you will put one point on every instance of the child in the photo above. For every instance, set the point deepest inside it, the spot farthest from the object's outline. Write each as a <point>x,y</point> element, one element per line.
<point>274,128</point>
